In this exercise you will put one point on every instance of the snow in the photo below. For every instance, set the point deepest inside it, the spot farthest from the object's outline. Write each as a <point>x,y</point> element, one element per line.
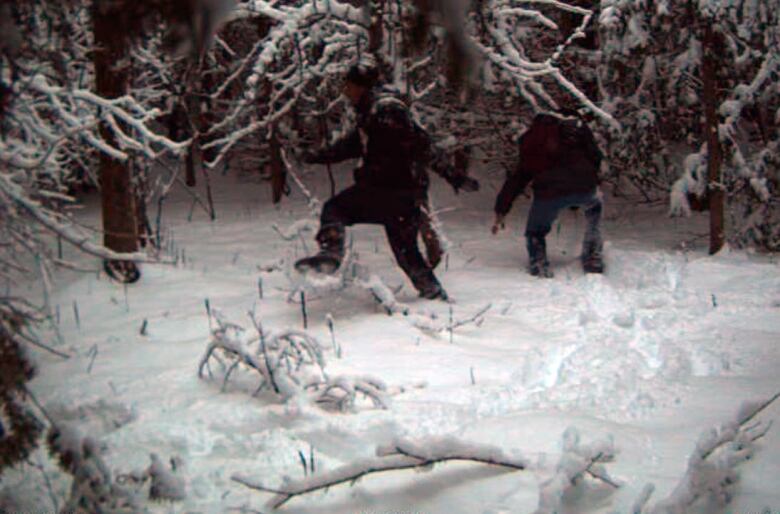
<point>634,365</point>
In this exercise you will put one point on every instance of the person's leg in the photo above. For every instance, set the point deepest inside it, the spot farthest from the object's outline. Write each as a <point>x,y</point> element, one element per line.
<point>433,247</point>
<point>339,212</point>
<point>593,245</point>
<point>540,219</point>
<point>403,241</point>
<point>342,210</point>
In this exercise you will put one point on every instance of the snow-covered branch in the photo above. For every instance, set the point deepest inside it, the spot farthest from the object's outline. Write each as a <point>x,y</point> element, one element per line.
<point>290,364</point>
<point>306,43</point>
<point>399,455</point>
<point>712,466</point>
<point>576,461</point>
<point>13,193</point>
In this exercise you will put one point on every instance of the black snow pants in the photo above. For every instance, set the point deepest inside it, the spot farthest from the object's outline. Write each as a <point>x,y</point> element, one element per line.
<point>397,210</point>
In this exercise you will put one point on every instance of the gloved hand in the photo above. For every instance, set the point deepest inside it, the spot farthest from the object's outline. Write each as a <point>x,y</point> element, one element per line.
<point>465,183</point>
<point>469,185</point>
<point>308,157</point>
<point>498,224</point>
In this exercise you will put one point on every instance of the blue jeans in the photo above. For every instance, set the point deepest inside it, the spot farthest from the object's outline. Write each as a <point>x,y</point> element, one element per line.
<point>544,212</point>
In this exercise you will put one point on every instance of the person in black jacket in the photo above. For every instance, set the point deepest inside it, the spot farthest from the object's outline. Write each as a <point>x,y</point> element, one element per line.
<point>391,181</point>
<point>560,158</point>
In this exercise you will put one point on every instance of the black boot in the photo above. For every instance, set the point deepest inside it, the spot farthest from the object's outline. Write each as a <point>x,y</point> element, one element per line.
<point>328,259</point>
<point>429,287</point>
<point>538,265</point>
<point>592,257</point>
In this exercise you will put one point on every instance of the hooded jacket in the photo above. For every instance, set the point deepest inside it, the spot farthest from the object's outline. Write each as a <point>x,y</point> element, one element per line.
<point>395,150</point>
<point>558,156</point>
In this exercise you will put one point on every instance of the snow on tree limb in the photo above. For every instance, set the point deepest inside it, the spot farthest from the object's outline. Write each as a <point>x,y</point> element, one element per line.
<point>66,230</point>
<point>711,470</point>
<point>576,461</point>
<point>400,454</point>
<point>290,364</point>
<point>661,50</point>
<point>297,30</point>
<point>310,42</point>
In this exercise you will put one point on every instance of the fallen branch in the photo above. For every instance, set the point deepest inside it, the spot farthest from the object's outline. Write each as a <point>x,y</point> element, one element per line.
<point>401,454</point>
<point>576,461</point>
<point>711,466</point>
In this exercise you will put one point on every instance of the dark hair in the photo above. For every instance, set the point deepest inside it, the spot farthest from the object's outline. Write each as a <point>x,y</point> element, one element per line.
<point>362,74</point>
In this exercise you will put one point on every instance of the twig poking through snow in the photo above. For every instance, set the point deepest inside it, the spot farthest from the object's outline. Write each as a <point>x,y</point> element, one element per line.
<point>303,310</point>
<point>76,314</point>
<point>92,353</point>
<point>332,330</point>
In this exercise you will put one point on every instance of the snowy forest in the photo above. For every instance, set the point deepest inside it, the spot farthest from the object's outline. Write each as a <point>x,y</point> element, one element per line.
<point>162,177</point>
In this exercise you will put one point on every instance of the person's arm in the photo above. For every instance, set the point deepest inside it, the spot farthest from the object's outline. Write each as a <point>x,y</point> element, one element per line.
<point>532,152</point>
<point>513,186</point>
<point>346,147</point>
<point>515,183</point>
<point>437,160</point>
<point>592,150</point>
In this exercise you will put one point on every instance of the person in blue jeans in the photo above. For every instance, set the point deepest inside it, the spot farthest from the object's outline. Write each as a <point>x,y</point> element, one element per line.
<point>560,159</point>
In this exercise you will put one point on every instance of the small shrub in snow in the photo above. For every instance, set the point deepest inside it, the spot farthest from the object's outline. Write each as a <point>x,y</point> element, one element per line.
<point>341,393</point>
<point>164,484</point>
<point>576,461</point>
<point>290,364</point>
<point>19,428</point>
<point>93,489</point>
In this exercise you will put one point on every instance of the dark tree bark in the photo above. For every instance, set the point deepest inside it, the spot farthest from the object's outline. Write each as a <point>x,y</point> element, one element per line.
<point>193,110</point>
<point>375,33</point>
<point>120,224</point>
<point>714,154</point>
<point>278,169</point>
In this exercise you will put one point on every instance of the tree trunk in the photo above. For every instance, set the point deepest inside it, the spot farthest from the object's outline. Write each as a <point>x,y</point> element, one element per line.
<point>375,32</point>
<point>120,226</point>
<point>714,155</point>
<point>278,171</point>
<point>192,108</point>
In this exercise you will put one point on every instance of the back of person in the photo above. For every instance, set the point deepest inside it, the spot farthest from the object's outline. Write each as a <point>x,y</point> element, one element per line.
<point>560,156</point>
<point>394,144</point>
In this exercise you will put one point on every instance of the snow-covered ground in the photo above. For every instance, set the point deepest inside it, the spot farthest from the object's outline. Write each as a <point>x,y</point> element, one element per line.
<point>667,344</point>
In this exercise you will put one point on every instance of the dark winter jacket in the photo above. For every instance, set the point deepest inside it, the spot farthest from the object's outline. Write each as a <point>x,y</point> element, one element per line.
<point>395,150</point>
<point>559,156</point>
